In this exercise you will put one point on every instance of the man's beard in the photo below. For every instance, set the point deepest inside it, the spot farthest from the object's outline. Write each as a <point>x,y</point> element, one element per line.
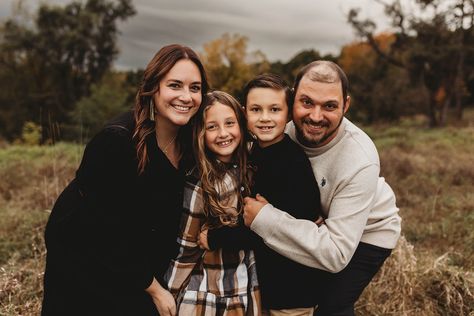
<point>310,142</point>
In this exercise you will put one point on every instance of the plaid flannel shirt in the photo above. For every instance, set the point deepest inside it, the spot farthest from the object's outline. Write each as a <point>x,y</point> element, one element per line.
<point>218,282</point>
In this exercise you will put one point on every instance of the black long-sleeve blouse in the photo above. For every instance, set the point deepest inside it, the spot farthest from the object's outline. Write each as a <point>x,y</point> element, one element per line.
<point>112,230</point>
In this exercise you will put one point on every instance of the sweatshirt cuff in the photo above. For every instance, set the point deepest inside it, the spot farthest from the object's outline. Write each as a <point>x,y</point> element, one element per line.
<point>265,221</point>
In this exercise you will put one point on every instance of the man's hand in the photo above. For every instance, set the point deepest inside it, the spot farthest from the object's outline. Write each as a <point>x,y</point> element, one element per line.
<point>202,240</point>
<point>252,207</point>
<point>162,298</point>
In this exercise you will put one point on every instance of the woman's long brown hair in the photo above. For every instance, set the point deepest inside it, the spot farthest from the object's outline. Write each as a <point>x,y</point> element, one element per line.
<point>211,171</point>
<point>158,67</point>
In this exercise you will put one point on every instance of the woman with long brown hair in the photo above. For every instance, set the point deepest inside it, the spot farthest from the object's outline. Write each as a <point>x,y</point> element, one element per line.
<point>112,232</point>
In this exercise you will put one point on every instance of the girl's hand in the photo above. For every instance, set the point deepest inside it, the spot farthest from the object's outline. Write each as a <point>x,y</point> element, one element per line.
<point>162,298</point>
<point>202,240</point>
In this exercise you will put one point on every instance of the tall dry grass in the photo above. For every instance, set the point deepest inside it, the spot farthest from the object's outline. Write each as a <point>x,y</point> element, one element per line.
<point>30,180</point>
<point>429,273</point>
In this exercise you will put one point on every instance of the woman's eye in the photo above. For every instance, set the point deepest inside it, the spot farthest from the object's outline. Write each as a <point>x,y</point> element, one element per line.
<point>173,85</point>
<point>195,88</point>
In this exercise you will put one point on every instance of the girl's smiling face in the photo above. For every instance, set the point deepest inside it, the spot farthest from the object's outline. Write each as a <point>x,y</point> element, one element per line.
<point>222,131</point>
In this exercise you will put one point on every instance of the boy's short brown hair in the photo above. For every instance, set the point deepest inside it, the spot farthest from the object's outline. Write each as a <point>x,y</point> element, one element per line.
<point>271,81</point>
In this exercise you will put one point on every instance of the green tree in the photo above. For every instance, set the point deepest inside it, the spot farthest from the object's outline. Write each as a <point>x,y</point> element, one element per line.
<point>47,68</point>
<point>379,90</point>
<point>108,98</point>
<point>433,46</point>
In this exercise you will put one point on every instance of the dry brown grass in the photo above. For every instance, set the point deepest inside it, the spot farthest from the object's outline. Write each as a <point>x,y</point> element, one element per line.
<point>31,179</point>
<point>429,273</point>
<point>409,285</point>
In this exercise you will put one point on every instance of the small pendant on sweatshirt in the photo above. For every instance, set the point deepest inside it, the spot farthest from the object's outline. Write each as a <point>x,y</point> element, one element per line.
<point>323,182</point>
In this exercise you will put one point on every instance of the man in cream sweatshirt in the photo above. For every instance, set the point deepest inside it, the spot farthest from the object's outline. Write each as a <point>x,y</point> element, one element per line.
<point>361,224</point>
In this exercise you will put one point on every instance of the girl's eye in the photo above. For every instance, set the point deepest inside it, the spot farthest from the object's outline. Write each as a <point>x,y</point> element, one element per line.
<point>230,123</point>
<point>210,127</point>
<point>254,109</point>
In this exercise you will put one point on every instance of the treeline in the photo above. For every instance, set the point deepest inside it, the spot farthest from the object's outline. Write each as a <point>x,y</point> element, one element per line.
<point>57,80</point>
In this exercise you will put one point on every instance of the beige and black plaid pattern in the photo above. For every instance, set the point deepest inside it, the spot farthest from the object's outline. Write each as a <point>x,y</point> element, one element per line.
<point>215,282</point>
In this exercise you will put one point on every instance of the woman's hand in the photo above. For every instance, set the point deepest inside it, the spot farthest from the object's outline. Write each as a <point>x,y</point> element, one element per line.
<point>162,298</point>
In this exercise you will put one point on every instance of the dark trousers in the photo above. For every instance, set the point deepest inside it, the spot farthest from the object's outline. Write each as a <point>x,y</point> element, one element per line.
<point>340,291</point>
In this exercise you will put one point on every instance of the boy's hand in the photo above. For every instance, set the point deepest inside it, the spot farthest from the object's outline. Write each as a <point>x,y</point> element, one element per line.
<point>252,207</point>
<point>202,240</point>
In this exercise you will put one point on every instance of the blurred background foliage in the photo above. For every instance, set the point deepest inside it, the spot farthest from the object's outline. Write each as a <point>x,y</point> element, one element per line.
<point>412,91</point>
<point>56,66</point>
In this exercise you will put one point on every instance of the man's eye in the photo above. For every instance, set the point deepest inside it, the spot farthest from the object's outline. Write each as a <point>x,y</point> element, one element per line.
<point>307,102</point>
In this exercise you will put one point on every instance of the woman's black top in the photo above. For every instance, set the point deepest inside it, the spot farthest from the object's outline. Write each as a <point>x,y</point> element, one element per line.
<point>111,230</point>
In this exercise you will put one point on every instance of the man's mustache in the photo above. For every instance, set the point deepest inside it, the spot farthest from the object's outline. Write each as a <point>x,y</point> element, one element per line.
<point>323,123</point>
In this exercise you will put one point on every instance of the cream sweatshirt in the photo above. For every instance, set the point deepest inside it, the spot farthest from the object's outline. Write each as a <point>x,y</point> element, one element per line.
<point>358,203</point>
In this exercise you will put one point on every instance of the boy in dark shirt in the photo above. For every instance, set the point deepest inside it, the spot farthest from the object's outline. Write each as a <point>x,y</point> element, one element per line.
<point>283,175</point>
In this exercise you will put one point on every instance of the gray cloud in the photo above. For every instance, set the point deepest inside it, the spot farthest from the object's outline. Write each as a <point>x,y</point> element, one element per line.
<point>279,28</point>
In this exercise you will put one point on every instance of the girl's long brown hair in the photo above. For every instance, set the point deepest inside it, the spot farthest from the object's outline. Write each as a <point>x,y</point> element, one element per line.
<point>158,67</point>
<point>212,171</point>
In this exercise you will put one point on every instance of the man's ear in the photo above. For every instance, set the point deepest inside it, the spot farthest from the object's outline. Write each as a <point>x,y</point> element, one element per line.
<point>347,104</point>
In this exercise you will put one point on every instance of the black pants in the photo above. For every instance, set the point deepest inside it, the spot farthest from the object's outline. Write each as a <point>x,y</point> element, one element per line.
<point>340,291</point>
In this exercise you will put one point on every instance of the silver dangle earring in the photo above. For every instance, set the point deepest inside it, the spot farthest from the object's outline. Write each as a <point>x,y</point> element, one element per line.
<point>152,110</point>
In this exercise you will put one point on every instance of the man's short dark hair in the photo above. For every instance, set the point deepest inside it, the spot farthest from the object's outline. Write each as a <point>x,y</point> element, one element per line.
<point>271,81</point>
<point>333,73</point>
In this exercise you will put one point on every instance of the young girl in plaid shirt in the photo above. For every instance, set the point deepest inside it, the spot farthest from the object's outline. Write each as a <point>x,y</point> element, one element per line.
<point>217,282</point>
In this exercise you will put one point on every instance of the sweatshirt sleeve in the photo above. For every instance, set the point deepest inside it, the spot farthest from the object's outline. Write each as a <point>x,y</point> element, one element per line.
<point>330,246</point>
<point>113,229</point>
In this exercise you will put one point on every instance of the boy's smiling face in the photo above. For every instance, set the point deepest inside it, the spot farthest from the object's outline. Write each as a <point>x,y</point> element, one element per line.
<point>267,115</point>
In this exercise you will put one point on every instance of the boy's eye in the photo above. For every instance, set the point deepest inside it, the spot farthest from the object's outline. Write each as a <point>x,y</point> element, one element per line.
<point>275,109</point>
<point>254,109</point>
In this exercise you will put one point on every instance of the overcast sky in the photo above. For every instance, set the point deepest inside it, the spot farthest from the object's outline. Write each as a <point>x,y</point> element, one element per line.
<point>279,28</point>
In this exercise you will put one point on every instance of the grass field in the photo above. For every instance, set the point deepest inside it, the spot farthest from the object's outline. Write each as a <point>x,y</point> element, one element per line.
<point>430,170</point>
